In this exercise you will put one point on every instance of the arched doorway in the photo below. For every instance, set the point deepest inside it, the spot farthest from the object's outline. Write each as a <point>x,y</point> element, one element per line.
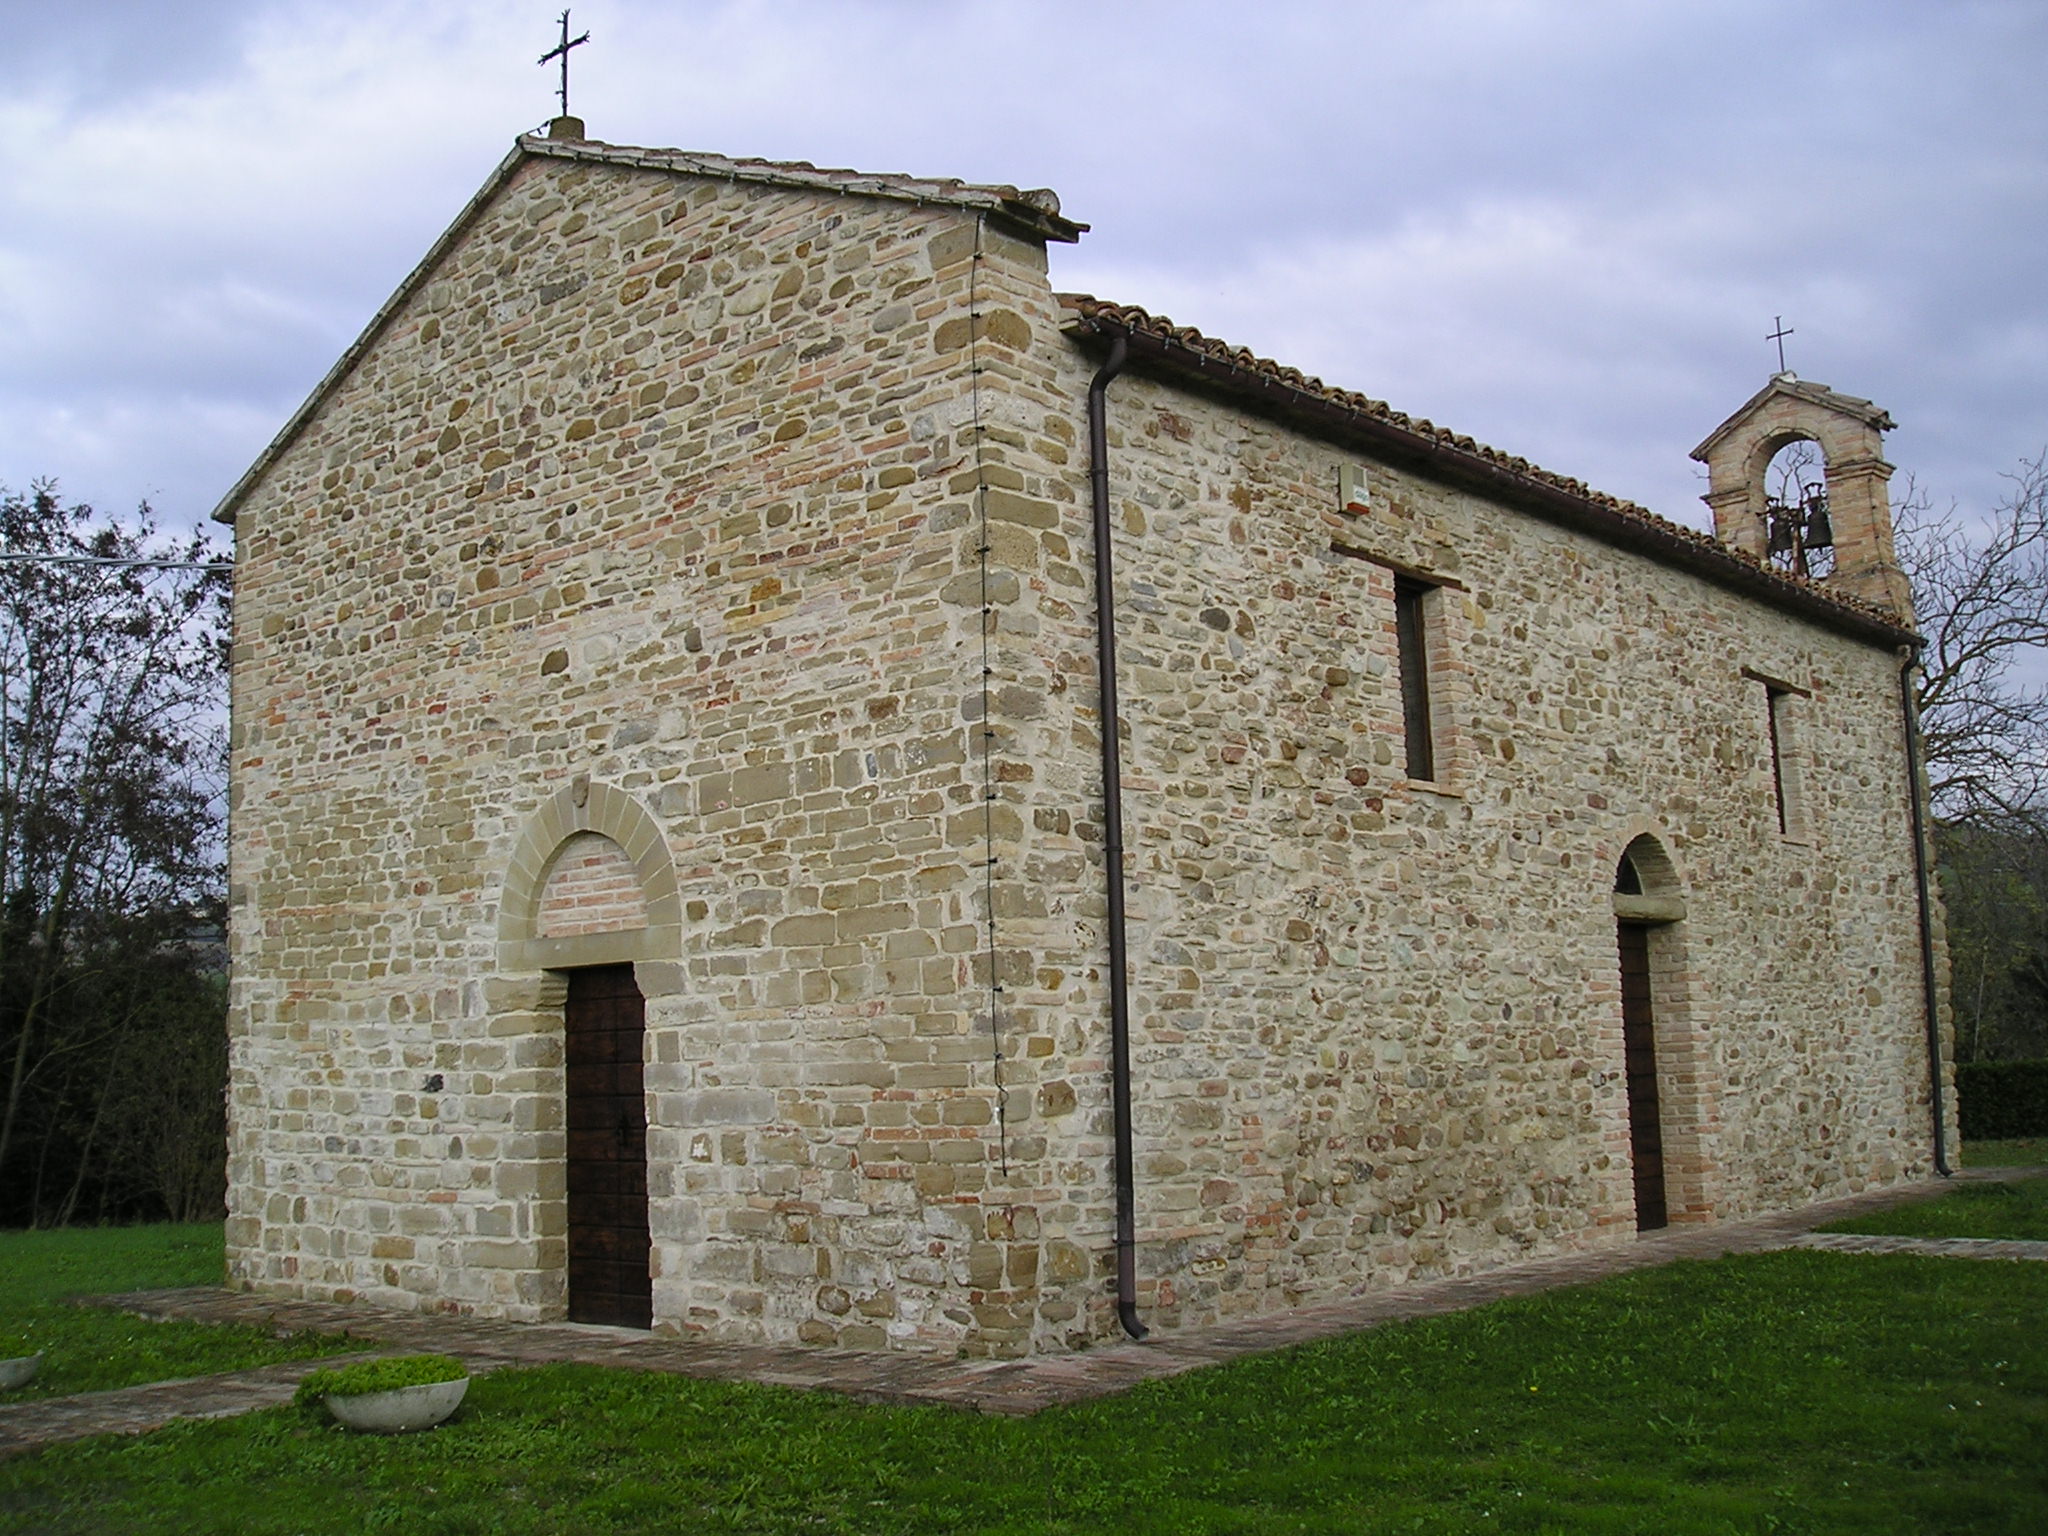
<point>1646,900</point>
<point>590,891</point>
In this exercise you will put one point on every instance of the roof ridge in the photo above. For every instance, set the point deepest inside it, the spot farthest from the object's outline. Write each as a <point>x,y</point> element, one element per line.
<point>1789,383</point>
<point>1035,208</point>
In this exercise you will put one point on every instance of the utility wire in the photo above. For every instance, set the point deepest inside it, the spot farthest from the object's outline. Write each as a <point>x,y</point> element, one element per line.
<point>9,557</point>
<point>988,789</point>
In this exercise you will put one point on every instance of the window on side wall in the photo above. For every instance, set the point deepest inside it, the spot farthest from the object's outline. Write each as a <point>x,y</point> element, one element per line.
<point>1413,604</point>
<point>1429,683</point>
<point>1785,706</point>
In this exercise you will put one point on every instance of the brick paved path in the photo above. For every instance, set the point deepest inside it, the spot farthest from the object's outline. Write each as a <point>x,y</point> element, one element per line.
<point>1012,1387</point>
<point>1930,1247</point>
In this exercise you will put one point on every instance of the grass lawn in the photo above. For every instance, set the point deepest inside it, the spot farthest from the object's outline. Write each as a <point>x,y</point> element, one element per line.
<point>2026,1151</point>
<point>1783,1392</point>
<point>2018,1209</point>
<point>86,1349</point>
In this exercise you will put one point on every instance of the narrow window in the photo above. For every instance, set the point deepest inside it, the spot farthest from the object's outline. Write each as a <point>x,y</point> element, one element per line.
<point>1428,627</point>
<point>1411,635</point>
<point>1776,698</point>
<point>1785,706</point>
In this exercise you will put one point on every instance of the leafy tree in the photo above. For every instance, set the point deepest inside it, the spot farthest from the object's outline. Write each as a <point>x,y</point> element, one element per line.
<point>110,719</point>
<point>159,1098</point>
<point>1995,885</point>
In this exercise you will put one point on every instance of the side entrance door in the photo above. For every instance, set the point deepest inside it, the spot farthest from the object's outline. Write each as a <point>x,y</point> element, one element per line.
<point>1645,1128</point>
<point>606,1025</point>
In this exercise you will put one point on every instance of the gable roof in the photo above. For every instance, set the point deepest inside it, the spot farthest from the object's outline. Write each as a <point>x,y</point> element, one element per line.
<point>1814,394</point>
<point>1035,213</point>
<point>1186,355</point>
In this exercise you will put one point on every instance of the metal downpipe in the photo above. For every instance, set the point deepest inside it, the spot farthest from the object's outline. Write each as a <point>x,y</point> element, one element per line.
<point>1910,717</point>
<point>1113,842</point>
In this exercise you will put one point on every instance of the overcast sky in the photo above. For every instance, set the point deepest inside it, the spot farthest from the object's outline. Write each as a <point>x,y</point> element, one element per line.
<point>1562,227</point>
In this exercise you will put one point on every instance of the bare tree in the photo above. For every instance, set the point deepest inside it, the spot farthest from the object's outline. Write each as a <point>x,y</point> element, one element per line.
<point>1983,688</point>
<point>1981,593</point>
<point>1799,540</point>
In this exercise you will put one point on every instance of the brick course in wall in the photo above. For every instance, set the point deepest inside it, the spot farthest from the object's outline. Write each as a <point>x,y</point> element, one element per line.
<point>692,570</point>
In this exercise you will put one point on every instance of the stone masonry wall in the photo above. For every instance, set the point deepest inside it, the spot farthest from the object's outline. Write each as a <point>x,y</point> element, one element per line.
<point>670,487</point>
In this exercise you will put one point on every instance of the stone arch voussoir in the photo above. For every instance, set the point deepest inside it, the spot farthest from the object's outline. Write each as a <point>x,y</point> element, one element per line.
<point>1646,844</point>
<point>609,812</point>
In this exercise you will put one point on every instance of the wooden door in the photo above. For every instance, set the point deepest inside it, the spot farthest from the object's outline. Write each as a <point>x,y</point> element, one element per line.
<point>606,1023</point>
<point>1645,1129</point>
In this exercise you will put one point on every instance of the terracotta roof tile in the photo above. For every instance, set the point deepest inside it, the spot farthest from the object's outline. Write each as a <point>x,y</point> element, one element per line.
<point>1103,317</point>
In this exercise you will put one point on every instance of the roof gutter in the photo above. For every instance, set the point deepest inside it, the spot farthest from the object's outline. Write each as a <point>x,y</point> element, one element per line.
<point>1909,717</point>
<point>1446,462</point>
<point>1110,725</point>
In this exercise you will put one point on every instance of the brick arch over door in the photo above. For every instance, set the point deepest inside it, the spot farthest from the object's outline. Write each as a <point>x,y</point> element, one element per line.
<point>586,808</point>
<point>1685,1062</point>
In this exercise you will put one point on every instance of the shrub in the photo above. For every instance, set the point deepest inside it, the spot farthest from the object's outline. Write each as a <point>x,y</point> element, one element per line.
<point>2000,1100</point>
<point>377,1376</point>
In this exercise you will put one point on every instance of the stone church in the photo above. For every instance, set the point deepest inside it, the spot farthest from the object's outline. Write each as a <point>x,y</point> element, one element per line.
<point>791,782</point>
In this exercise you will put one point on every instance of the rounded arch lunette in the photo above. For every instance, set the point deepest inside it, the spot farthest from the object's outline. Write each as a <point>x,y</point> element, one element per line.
<point>610,812</point>
<point>1648,885</point>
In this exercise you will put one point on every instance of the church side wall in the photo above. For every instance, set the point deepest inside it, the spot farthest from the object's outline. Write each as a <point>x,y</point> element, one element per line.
<point>667,488</point>
<point>1376,1022</point>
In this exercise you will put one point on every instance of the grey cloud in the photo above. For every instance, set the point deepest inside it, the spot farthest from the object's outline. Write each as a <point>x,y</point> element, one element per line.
<point>1335,184</point>
<point>96,52</point>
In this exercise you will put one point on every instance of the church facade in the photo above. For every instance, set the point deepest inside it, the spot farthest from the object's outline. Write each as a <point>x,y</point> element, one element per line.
<point>673,879</point>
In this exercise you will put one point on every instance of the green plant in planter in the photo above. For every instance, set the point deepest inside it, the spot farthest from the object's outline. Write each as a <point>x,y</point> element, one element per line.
<point>366,1376</point>
<point>19,1361</point>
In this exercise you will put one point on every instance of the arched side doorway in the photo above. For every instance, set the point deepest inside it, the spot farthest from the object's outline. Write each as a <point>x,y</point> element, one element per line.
<point>590,891</point>
<point>1671,1103</point>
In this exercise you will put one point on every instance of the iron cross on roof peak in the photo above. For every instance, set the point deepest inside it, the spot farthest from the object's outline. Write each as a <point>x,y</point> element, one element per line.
<point>1779,335</point>
<point>561,51</point>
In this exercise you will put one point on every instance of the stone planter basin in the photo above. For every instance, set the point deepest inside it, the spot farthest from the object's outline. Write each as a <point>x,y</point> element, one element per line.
<point>19,1372</point>
<point>401,1410</point>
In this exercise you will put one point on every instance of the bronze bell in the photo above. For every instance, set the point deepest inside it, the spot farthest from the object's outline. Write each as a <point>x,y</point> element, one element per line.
<point>1784,524</point>
<point>1820,533</point>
